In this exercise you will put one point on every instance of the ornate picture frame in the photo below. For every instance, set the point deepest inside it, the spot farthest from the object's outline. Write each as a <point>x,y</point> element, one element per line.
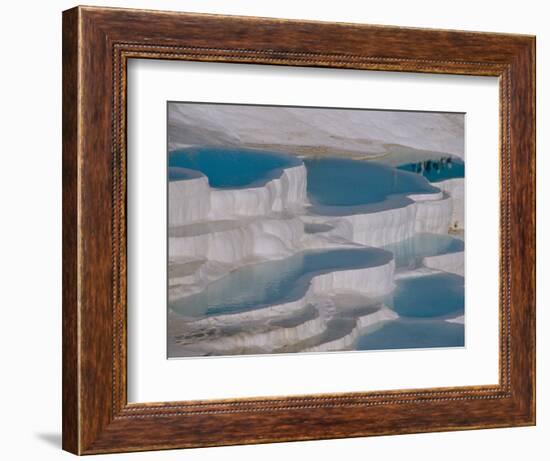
<point>97,44</point>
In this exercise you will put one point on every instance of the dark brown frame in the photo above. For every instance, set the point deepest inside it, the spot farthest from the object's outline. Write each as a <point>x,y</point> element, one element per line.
<point>97,43</point>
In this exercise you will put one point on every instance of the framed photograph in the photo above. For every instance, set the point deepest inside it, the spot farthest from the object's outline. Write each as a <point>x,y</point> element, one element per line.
<point>280,230</point>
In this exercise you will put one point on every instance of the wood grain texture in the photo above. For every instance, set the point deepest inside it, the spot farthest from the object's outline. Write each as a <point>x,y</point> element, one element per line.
<point>70,382</point>
<point>97,43</point>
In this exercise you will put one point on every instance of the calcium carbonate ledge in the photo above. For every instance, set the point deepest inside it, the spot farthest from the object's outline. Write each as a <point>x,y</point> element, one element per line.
<point>192,199</point>
<point>371,281</point>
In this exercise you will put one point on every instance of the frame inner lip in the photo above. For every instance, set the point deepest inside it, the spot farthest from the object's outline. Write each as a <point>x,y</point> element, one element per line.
<point>127,50</point>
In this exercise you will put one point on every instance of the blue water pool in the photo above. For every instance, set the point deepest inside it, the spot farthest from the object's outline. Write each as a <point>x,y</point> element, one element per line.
<point>274,282</point>
<point>335,187</point>
<point>229,167</point>
<point>410,252</point>
<point>413,333</point>
<point>437,295</point>
<point>338,186</point>
<point>437,170</point>
<point>423,304</point>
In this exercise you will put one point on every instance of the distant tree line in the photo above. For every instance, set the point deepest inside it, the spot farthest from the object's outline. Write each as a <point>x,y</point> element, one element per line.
<point>432,165</point>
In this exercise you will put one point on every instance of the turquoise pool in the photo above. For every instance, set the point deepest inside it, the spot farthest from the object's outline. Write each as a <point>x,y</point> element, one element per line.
<point>437,295</point>
<point>413,334</point>
<point>335,186</point>
<point>423,304</point>
<point>274,282</point>
<point>229,167</point>
<point>340,187</point>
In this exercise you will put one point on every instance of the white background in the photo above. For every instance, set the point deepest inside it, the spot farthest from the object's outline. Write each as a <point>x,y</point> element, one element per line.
<point>30,243</point>
<point>153,378</point>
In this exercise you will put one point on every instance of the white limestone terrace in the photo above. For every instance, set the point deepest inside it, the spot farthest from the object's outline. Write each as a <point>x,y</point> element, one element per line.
<point>261,307</point>
<point>254,291</point>
<point>452,263</point>
<point>273,216</point>
<point>281,335</point>
<point>212,249</point>
<point>227,231</point>
<point>333,324</point>
<point>454,188</point>
<point>237,183</point>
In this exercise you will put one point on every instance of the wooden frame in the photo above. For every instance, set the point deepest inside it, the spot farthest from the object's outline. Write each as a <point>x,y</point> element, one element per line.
<point>97,43</point>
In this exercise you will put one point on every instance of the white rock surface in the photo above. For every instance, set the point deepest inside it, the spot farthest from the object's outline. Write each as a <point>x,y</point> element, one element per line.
<point>266,340</point>
<point>215,231</point>
<point>433,216</point>
<point>236,237</point>
<point>382,227</point>
<point>284,193</point>
<point>371,281</point>
<point>254,337</point>
<point>192,200</point>
<point>428,213</point>
<point>236,241</point>
<point>459,319</point>
<point>365,131</point>
<point>367,321</point>
<point>189,201</point>
<point>455,188</point>
<point>450,262</point>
